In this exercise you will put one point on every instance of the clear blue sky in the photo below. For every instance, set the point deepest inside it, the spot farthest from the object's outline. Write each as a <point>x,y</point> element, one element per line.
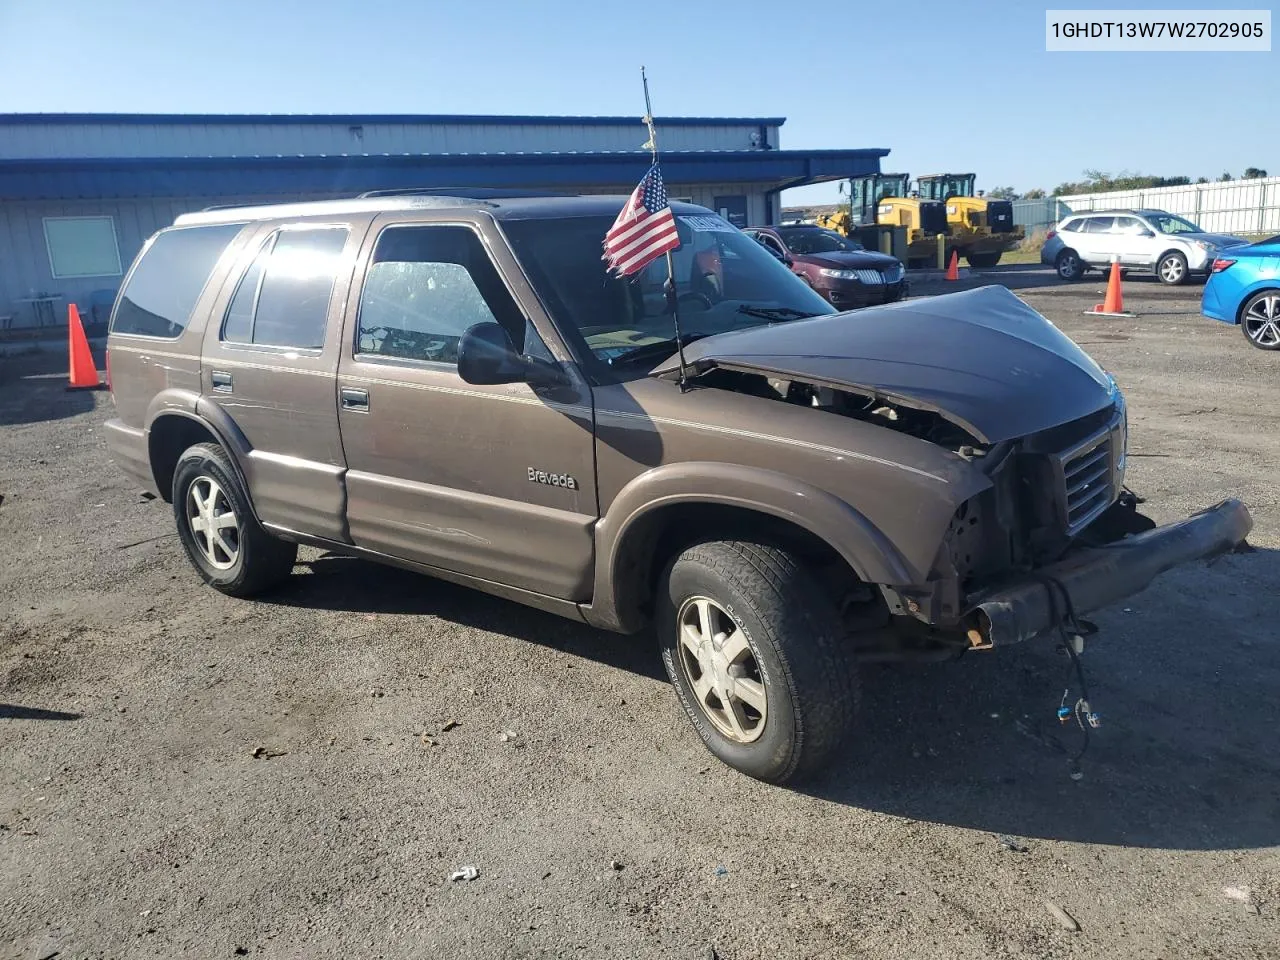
<point>944,86</point>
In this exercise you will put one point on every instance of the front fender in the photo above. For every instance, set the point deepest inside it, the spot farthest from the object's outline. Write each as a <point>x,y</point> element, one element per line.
<point>864,547</point>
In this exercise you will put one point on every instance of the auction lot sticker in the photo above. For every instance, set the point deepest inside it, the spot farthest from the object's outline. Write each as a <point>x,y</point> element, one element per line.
<point>1169,31</point>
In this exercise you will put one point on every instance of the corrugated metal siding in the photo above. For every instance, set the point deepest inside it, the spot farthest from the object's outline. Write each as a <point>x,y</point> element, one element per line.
<point>47,140</point>
<point>24,258</point>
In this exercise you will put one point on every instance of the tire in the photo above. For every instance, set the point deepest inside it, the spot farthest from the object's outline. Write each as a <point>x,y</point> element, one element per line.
<point>1172,269</point>
<point>983,261</point>
<point>206,491</point>
<point>789,643</point>
<point>1069,265</point>
<point>1260,320</point>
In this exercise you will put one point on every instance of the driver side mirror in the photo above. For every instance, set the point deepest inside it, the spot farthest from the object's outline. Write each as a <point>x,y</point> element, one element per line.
<point>486,355</point>
<point>1146,233</point>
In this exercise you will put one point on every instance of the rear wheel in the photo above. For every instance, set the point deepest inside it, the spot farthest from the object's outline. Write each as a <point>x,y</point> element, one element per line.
<point>983,261</point>
<point>1069,265</point>
<point>757,654</point>
<point>1172,269</point>
<point>223,540</point>
<point>1260,320</point>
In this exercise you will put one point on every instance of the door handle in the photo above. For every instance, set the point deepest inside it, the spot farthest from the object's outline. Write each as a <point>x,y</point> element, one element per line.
<point>353,399</point>
<point>221,380</point>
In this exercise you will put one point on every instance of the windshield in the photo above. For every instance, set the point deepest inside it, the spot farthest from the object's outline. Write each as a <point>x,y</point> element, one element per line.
<point>1168,223</point>
<point>719,271</point>
<point>811,240</point>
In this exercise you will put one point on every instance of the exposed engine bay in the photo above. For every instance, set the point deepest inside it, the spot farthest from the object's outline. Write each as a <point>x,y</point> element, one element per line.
<point>922,424</point>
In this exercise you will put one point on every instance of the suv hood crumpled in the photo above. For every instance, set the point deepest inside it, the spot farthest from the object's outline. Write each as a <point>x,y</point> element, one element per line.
<point>982,359</point>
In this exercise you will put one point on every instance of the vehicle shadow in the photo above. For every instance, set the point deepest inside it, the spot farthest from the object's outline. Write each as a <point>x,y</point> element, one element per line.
<point>9,711</point>
<point>1185,757</point>
<point>33,388</point>
<point>338,582</point>
<point>1043,281</point>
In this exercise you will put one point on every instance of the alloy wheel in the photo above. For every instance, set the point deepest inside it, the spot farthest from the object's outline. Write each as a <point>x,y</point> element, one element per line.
<point>213,522</point>
<point>1171,269</point>
<point>722,670</point>
<point>1262,321</point>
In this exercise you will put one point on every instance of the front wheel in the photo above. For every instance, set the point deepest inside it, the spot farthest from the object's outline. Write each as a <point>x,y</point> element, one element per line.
<point>1260,320</point>
<point>758,658</point>
<point>1069,265</point>
<point>223,540</point>
<point>983,261</point>
<point>1172,269</point>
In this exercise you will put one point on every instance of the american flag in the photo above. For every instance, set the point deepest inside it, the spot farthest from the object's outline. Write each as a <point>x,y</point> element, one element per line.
<point>644,230</point>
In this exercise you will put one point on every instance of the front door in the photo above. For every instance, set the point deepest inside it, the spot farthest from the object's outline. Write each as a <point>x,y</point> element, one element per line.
<point>270,362</point>
<point>1126,240</point>
<point>732,208</point>
<point>495,482</point>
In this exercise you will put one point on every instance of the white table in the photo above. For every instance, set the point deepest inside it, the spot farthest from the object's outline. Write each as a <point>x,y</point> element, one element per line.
<point>42,308</point>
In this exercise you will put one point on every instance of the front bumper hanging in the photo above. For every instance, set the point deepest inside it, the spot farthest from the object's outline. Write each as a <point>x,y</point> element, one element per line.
<point>1094,577</point>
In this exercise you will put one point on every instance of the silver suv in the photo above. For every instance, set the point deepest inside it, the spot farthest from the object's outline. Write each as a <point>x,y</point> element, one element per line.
<point>1141,240</point>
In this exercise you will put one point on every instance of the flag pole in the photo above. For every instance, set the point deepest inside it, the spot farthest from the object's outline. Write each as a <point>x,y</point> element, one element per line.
<point>668,288</point>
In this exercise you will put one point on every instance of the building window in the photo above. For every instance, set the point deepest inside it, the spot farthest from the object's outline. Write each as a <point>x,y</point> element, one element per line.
<point>82,247</point>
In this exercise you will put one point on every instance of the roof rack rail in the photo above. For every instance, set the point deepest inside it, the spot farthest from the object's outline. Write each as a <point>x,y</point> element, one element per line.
<point>462,193</point>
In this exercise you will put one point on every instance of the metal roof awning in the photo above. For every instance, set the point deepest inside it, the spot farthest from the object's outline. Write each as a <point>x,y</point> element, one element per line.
<point>121,178</point>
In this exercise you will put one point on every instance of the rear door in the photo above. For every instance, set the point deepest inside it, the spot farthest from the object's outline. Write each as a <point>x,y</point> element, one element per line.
<point>270,361</point>
<point>495,482</point>
<point>1093,242</point>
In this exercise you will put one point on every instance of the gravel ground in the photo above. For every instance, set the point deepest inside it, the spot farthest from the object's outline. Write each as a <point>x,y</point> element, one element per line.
<point>189,775</point>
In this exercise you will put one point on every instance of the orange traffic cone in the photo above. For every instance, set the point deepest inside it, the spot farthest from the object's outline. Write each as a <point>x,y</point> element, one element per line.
<point>83,374</point>
<point>1113,303</point>
<point>953,268</point>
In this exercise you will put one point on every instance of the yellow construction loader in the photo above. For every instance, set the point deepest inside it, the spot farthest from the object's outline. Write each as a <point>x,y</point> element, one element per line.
<point>980,229</point>
<point>883,199</point>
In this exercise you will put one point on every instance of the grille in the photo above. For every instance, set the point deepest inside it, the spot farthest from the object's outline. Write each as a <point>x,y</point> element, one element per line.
<point>1087,478</point>
<point>869,276</point>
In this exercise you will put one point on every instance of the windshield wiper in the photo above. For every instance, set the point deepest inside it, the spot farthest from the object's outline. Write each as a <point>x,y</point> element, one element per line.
<point>775,313</point>
<point>659,348</point>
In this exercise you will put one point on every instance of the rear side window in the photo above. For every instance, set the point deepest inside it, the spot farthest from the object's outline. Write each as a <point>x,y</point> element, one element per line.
<point>1098,224</point>
<point>283,298</point>
<point>424,288</point>
<point>1073,226</point>
<point>160,294</point>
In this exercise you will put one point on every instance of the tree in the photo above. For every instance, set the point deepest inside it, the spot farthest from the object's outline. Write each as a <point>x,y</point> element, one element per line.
<point>1003,193</point>
<point>1226,177</point>
<point>1202,179</point>
<point>1252,173</point>
<point>1036,193</point>
<point>1097,181</point>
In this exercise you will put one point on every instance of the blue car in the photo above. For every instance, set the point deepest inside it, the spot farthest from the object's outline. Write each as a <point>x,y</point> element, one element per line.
<point>1244,288</point>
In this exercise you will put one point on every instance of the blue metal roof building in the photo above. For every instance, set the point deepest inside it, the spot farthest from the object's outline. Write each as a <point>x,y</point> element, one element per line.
<point>80,193</point>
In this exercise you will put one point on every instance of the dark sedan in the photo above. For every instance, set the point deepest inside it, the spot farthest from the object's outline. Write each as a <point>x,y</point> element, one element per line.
<point>842,270</point>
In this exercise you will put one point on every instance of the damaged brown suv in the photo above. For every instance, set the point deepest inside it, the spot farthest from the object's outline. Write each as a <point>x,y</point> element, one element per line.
<point>456,386</point>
